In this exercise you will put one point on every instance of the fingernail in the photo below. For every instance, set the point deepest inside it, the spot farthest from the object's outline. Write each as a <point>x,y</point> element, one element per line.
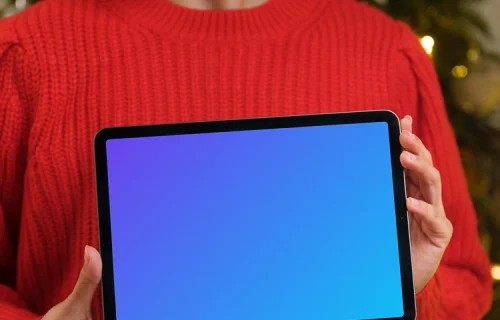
<point>87,255</point>
<point>410,156</point>
<point>409,118</point>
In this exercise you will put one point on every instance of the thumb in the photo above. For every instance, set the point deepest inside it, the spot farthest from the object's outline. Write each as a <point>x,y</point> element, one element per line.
<point>406,123</point>
<point>90,276</point>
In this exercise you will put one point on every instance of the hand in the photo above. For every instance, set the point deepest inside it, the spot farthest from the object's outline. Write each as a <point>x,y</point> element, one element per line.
<point>78,304</point>
<point>430,229</point>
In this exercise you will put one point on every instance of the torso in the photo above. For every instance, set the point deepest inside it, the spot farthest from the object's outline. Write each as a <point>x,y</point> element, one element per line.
<point>114,74</point>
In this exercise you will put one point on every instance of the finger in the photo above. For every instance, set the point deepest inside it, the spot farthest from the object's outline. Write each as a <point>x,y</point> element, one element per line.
<point>421,209</point>
<point>428,176</point>
<point>435,225</point>
<point>90,276</point>
<point>407,123</point>
<point>410,142</point>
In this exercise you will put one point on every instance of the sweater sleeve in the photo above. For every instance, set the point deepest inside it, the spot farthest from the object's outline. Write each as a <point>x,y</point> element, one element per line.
<point>462,285</point>
<point>14,122</point>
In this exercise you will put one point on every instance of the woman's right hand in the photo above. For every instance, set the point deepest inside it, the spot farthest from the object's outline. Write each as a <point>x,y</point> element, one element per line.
<point>77,305</point>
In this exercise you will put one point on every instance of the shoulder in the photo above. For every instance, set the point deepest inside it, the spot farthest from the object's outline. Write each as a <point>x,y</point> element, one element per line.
<point>386,49</point>
<point>47,35</point>
<point>48,21</point>
<point>369,26</point>
<point>38,37</point>
<point>8,33</point>
<point>11,53</point>
<point>38,15</point>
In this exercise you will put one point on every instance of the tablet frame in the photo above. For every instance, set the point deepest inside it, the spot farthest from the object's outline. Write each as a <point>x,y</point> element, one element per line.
<point>108,294</point>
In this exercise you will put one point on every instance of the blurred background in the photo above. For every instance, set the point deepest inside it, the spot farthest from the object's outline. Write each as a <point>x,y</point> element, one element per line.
<point>463,39</point>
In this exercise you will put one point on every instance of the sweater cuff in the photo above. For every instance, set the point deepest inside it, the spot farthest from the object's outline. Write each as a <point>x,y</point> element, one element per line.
<point>429,299</point>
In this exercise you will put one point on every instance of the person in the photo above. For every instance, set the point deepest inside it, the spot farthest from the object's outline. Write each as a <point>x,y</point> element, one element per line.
<point>70,68</point>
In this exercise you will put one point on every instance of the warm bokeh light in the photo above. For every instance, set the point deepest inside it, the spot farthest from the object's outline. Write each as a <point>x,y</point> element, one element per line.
<point>428,44</point>
<point>473,55</point>
<point>495,272</point>
<point>460,71</point>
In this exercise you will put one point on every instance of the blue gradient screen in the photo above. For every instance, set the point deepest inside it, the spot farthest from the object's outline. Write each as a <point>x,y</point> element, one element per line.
<point>295,224</point>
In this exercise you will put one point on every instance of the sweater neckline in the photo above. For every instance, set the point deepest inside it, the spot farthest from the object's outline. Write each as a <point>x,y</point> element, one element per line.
<point>271,19</point>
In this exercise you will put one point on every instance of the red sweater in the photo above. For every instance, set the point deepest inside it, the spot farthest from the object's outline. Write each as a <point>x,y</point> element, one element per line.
<point>71,67</point>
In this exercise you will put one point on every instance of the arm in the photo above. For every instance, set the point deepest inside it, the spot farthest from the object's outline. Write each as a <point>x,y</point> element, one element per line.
<point>16,113</point>
<point>14,126</point>
<point>461,287</point>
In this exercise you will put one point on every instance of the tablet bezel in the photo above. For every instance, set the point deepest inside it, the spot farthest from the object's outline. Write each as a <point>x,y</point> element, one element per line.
<point>108,294</point>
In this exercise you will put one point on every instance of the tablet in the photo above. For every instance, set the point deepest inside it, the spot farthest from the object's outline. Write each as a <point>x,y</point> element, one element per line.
<point>296,218</point>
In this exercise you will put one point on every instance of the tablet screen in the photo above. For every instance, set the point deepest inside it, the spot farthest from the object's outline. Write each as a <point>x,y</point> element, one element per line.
<point>294,223</point>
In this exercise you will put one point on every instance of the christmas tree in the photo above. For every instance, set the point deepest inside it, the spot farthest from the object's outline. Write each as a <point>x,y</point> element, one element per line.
<point>470,80</point>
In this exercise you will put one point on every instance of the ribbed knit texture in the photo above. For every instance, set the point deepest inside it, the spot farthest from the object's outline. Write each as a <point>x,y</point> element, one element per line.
<point>71,67</point>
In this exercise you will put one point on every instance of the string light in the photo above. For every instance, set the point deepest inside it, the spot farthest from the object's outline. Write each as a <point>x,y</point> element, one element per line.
<point>428,44</point>
<point>472,54</point>
<point>495,272</point>
<point>459,72</point>
<point>21,4</point>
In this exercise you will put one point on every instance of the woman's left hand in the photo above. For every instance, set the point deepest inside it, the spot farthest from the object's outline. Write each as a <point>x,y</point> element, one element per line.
<point>430,229</point>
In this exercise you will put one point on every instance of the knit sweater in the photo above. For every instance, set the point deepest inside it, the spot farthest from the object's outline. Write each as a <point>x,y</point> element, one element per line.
<point>71,67</point>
